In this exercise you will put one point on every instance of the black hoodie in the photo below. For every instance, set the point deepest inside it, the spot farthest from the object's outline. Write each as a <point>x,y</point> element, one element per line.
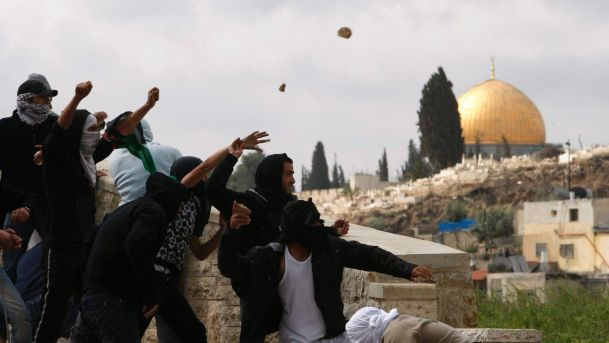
<point>266,201</point>
<point>122,254</point>
<point>71,197</point>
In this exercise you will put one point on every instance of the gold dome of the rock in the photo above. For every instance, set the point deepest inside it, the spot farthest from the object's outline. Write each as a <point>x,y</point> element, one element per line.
<point>494,109</point>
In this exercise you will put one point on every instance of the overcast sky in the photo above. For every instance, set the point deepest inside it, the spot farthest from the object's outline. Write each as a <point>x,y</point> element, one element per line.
<point>219,64</point>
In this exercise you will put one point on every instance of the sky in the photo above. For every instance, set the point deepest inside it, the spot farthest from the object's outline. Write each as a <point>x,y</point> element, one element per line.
<point>219,64</point>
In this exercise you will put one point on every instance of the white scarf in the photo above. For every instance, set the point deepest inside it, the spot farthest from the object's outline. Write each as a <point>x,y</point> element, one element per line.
<point>368,324</point>
<point>88,142</point>
<point>29,113</point>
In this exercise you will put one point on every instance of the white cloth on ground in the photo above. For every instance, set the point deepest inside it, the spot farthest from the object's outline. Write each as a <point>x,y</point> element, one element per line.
<point>368,324</point>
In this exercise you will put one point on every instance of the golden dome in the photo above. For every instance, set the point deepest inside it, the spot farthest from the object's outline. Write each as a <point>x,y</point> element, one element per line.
<point>493,109</point>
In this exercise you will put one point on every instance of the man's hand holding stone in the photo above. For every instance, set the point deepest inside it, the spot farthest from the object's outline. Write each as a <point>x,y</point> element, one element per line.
<point>240,216</point>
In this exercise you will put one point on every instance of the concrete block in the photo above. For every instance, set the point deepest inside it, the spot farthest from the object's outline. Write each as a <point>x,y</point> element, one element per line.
<point>405,291</point>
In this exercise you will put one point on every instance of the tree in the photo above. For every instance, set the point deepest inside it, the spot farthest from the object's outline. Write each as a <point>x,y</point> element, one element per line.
<point>304,179</point>
<point>318,178</point>
<point>415,166</point>
<point>477,146</point>
<point>440,123</point>
<point>507,152</point>
<point>245,174</point>
<point>383,171</point>
<point>341,177</point>
<point>493,223</point>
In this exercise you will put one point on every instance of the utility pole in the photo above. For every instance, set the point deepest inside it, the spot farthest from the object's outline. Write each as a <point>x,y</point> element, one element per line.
<point>568,144</point>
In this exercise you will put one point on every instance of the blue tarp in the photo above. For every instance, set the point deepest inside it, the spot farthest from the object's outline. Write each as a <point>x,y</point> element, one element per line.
<point>464,224</point>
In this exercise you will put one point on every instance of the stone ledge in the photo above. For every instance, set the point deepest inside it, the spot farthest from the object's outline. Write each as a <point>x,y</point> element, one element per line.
<point>405,291</point>
<point>503,335</point>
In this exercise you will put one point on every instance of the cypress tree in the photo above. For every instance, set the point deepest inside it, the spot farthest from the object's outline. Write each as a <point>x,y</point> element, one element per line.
<point>304,179</point>
<point>341,177</point>
<point>383,171</point>
<point>415,166</point>
<point>318,178</point>
<point>440,123</point>
<point>507,152</point>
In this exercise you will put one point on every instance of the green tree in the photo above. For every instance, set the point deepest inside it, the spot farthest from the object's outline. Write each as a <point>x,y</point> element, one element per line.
<point>304,179</point>
<point>318,178</point>
<point>455,211</point>
<point>507,152</point>
<point>491,223</point>
<point>440,123</point>
<point>415,167</point>
<point>383,171</point>
<point>245,173</point>
<point>341,177</point>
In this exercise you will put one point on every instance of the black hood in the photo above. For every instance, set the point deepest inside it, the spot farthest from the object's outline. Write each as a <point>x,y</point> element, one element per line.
<point>166,192</point>
<point>269,176</point>
<point>296,224</point>
<point>179,169</point>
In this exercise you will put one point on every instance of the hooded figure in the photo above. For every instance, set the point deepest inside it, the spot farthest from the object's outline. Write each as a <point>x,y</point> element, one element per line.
<point>121,262</point>
<point>180,168</point>
<point>269,177</point>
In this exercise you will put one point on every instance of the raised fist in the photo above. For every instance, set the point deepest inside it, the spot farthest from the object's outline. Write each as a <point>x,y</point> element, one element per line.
<point>83,89</point>
<point>153,97</point>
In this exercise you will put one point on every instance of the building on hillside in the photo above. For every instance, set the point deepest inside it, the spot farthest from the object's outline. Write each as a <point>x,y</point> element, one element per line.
<point>573,233</point>
<point>365,182</point>
<point>494,113</point>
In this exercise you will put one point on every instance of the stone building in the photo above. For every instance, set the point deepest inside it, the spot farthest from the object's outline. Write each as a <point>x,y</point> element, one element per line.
<point>494,112</point>
<point>573,233</point>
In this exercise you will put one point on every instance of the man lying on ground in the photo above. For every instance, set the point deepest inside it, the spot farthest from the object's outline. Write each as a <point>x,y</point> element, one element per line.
<point>294,286</point>
<point>373,325</point>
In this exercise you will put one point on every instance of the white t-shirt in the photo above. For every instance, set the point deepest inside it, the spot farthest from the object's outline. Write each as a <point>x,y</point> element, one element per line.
<point>301,320</point>
<point>129,173</point>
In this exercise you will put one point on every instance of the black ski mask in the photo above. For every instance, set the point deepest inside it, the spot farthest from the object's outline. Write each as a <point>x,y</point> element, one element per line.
<point>179,169</point>
<point>297,224</point>
<point>167,192</point>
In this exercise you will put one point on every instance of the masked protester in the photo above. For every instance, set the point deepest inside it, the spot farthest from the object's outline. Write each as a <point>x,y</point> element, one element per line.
<point>274,185</point>
<point>294,286</point>
<point>119,281</point>
<point>21,136</point>
<point>69,155</point>
<point>373,325</point>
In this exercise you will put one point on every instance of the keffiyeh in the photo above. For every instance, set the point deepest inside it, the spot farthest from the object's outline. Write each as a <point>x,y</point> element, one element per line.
<point>29,113</point>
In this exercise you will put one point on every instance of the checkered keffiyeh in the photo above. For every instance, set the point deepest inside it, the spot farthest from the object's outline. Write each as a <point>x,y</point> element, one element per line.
<point>174,246</point>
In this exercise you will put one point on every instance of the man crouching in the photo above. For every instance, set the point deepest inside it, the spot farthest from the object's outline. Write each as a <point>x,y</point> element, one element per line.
<point>294,286</point>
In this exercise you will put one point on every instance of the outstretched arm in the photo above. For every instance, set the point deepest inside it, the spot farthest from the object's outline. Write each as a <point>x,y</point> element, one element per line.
<point>128,124</point>
<point>236,148</point>
<point>202,250</point>
<point>67,115</point>
<point>372,258</point>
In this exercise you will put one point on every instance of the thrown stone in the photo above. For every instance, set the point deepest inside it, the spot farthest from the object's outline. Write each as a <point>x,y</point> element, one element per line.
<point>344,32</point>
<point>282,87</point>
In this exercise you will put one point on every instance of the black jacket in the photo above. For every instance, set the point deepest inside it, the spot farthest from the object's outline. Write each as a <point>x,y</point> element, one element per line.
<point>17,141</point>
<point>265,218</point>
<point>120,261</point>
<point>11,199</point>
<point>71,197</point>
<point>259,272</point>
